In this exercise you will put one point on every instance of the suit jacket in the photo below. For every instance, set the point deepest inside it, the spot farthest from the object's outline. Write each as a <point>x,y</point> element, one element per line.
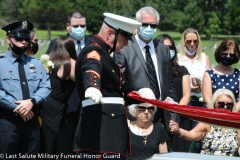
<point>74,98</point>
<point>135,73</point>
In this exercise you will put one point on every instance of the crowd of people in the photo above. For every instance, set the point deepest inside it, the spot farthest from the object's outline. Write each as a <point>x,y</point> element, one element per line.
<point>81,108</point>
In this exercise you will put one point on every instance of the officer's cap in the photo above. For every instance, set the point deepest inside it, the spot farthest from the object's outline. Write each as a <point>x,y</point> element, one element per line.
<point>124,25</point>
<point>18,27</point>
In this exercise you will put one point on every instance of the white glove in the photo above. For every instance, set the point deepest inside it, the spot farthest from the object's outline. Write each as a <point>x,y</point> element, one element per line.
<point>146,93</point>
<point>94,94</point>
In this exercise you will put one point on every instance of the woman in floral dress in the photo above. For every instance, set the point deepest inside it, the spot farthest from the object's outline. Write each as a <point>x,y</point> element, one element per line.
<point>216,140</point>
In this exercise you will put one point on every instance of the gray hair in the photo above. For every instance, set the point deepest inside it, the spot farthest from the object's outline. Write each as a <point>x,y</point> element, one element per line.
<point>225,92</point>
<point>148,10</point>
<point>132,109</point>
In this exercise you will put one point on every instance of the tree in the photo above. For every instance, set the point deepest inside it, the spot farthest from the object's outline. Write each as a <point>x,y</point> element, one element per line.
<point>213,25</point>
<point>47,12</point>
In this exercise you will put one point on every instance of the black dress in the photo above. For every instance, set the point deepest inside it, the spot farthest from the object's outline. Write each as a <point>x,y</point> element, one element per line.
<point>140,150</point>
<point>179,144</point>
<point>54,109</point>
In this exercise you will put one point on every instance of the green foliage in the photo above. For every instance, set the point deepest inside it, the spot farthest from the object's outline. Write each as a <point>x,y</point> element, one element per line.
<point>213,27</point>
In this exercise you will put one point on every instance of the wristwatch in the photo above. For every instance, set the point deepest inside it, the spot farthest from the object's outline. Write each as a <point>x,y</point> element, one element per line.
<point>34,102</point>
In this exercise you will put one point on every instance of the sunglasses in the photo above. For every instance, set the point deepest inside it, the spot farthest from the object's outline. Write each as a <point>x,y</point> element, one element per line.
<point>153,26</point>
<point>190,41</point>
<point>143,109</point>
<point>76,26</point>
<point>231,55</point>
<point>20,39</point>
<point>221,105</point>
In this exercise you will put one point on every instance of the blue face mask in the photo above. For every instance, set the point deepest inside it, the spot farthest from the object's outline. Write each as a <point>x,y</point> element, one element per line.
<point>172,53</point>
<point>147,32</point>
<point>78,33</point>
<point>226,61</point>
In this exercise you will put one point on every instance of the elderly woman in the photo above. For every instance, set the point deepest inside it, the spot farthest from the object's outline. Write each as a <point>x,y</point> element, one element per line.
<point>215,140</point>
<point>146,138</point>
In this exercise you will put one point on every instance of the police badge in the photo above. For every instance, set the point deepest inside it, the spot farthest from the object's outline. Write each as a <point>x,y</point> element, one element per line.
<point>24,24</point>
<point>32,68</point>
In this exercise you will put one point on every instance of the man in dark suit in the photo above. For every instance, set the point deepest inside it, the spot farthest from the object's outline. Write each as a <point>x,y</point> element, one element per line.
<point>136,70</point>
<point>76,27</point>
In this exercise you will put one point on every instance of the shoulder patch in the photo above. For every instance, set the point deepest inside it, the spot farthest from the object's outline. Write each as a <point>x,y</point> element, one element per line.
<point>94,55</point>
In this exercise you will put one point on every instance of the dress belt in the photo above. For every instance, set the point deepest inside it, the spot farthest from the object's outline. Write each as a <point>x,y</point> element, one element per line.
<point>113,100</point>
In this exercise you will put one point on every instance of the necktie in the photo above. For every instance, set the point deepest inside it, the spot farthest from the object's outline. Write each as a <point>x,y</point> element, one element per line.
<point>23,79</point>
<point>152,73</point>
<point>78,47</point>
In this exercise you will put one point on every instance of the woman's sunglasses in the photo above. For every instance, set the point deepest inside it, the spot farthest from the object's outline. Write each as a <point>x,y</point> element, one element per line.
<point>231,55</point>
<point>143,109</point>
<point>221,105</point>
<point>190,41</point>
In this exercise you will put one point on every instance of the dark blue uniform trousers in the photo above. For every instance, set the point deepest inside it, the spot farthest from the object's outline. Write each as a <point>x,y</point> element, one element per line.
<point>17,136</point>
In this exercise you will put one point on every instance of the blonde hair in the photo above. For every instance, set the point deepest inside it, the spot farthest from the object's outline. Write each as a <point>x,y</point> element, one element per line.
<point>182,45</point>
<point>225,92</point>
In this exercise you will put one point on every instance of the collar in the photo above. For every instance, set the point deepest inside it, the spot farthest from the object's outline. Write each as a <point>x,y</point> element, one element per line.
<point>13,58</point>
<point>143,44</point>
<point>82,41</point>
<point>98,41</point>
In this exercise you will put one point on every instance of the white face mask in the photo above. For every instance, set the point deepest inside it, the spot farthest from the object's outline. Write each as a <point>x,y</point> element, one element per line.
<point>189,52</point>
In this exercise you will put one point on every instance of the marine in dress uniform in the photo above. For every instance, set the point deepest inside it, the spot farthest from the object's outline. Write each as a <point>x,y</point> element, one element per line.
<point>19,97</point>
<point>103,126</point>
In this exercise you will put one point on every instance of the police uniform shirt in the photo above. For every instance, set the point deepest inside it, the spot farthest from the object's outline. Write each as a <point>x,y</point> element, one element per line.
<point>10,88</point>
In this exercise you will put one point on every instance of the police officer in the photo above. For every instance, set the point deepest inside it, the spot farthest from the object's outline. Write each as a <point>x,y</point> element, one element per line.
<point>103,123</point>
<point>24,84</point>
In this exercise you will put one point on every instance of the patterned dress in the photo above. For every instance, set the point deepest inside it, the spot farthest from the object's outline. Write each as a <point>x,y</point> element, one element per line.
<point>217,142</point>
<point>230,82</point>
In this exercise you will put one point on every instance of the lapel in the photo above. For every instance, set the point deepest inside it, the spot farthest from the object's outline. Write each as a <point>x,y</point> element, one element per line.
<point>159,57</point>
<point>138,52</point>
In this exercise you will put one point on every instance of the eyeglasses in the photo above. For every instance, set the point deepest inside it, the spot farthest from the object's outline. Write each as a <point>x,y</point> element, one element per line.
<point>221,105</point>
<point>76,26</point>
<point>153,26</point>
<point>190,41</point>
<point>231,55</point>
<point>143,108</point>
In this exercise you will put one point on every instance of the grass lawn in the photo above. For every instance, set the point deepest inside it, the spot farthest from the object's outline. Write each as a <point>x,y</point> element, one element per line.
<point>207,44</point>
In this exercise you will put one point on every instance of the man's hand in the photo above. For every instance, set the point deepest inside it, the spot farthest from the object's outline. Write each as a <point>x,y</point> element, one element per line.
<point>24,107</point>
<point>146,93</point>
<point>94,94</point>
<point>28,116</point>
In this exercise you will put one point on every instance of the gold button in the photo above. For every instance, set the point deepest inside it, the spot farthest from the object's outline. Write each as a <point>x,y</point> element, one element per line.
<point>113,71</point>
<point>112,115</point>
<point>95,84</point>
<point>95,77</point>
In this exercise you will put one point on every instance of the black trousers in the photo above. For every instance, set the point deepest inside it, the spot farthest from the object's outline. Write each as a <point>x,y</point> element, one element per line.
<point>19,137</point>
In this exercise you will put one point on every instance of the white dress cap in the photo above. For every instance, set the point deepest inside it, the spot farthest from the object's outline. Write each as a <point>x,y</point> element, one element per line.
<point>126,25</point>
